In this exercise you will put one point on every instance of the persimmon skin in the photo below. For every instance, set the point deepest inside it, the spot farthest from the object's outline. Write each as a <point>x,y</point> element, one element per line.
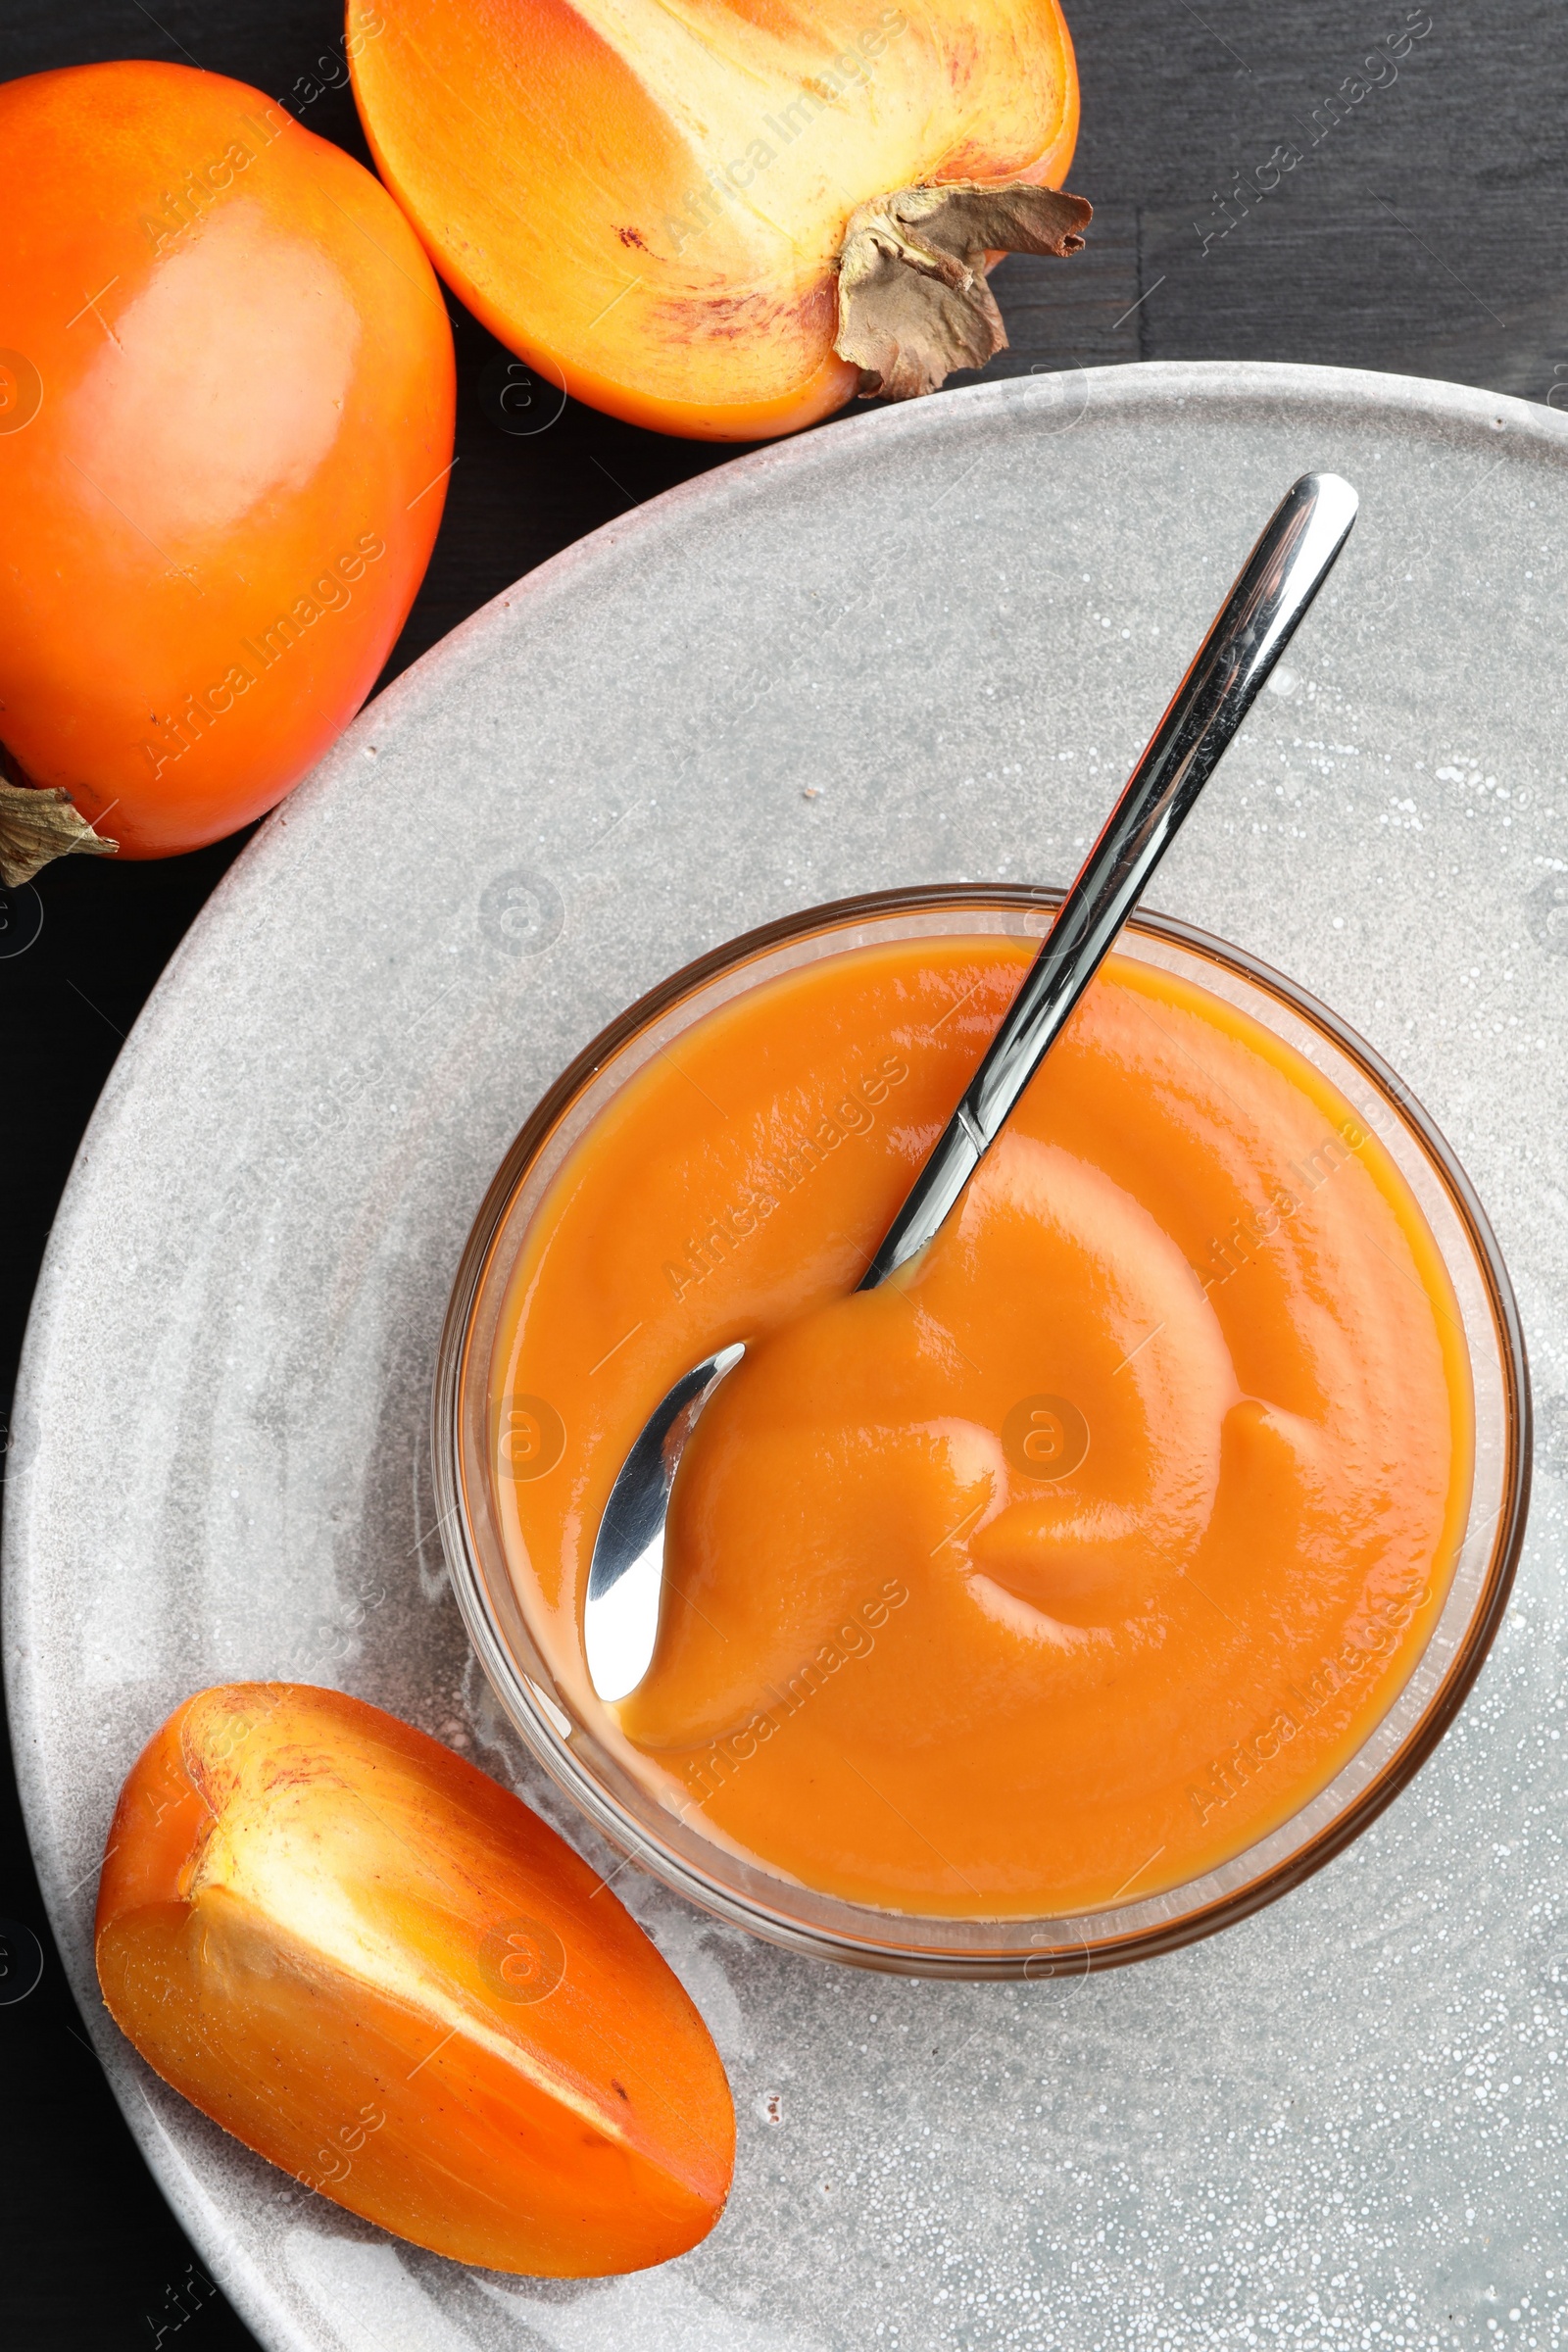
<point>379,1969</point>
<point>550,153</point>
<point>223,455</point>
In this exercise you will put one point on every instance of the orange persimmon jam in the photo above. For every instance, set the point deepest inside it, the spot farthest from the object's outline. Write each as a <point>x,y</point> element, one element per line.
<point>1087,1549</point>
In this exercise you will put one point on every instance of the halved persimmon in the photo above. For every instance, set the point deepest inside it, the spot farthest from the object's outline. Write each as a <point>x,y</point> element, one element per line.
<point>378,1969</point>
<point>724,220</point>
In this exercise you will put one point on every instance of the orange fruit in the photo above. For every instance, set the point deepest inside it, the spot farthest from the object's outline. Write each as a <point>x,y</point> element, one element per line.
<point>226,400</point>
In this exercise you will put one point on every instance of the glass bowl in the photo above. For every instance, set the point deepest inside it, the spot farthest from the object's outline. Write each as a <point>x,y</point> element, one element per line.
<point>676,1849</point>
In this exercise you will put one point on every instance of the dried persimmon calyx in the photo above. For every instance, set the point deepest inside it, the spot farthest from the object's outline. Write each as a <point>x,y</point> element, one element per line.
<point>913,298</point>
<point>38,822</point>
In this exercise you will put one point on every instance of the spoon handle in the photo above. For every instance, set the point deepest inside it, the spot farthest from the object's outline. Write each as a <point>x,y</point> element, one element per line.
<point>1279,581</point>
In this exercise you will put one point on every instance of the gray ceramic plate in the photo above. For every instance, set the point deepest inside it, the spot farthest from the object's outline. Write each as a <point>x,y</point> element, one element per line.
<point>954,624</point>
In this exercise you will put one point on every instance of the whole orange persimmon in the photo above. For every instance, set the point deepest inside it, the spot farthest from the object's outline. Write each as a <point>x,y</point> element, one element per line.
<point>227,402</point>
<point>378,1969</point>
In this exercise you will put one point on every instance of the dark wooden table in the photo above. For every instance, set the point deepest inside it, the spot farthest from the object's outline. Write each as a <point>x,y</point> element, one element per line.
<point>1260,193</point>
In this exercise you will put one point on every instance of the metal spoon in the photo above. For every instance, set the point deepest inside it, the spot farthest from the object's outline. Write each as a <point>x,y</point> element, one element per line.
<point>1279,581</point>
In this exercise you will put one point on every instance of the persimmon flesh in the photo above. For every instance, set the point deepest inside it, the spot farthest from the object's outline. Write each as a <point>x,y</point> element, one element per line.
<point>651,205</point>
<point>227,405</point>
<point>1077,1558</point>
<point>378,1969</point>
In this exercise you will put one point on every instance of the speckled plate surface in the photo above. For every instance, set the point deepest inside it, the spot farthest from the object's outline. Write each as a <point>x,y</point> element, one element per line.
<point>1342,2122</point>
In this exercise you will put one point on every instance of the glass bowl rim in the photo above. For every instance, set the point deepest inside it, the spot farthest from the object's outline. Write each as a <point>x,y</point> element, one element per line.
<point>532,1711</point>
